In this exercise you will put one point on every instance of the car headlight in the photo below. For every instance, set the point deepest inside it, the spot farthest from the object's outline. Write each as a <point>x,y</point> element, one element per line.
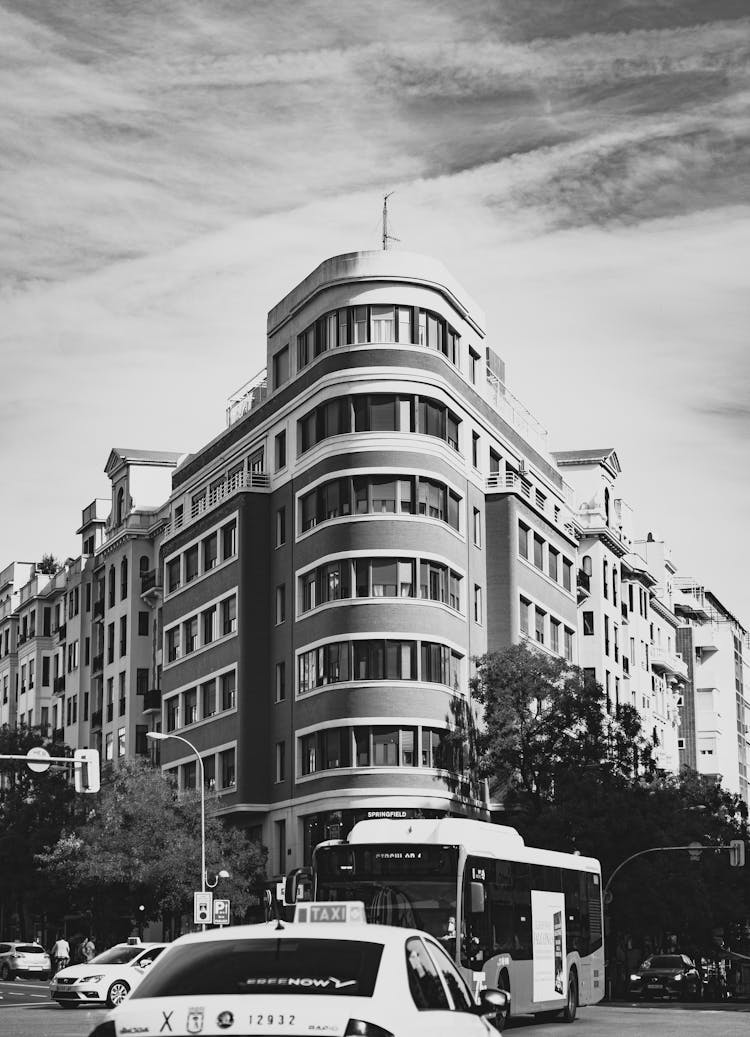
<point>90,979</point>
<point>635,976</point>
<point>678,976</point>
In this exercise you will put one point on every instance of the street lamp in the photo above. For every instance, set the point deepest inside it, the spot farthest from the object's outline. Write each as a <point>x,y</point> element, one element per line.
<point>160,736</point>
<point>217,875</point>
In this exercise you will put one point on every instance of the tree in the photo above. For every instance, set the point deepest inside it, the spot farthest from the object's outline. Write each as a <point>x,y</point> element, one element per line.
<point>49,565</point>
<point>140,846</point>
<point>34,809</point>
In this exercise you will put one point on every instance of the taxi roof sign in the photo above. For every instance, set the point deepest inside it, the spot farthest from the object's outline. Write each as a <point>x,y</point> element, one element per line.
<point>350,912</point>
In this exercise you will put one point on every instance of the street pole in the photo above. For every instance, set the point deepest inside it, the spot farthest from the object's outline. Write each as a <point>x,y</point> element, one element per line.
<point>159,736</point>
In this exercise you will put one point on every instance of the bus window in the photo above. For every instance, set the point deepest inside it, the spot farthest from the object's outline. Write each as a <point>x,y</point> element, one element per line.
<point>521,910</point>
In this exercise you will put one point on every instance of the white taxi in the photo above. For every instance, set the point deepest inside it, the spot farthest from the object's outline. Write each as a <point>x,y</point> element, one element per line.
<point>328,972</point>
<point>108,978</point>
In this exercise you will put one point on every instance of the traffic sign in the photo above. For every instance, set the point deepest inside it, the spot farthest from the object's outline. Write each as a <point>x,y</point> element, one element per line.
<point>41,754</point>
<point>202,908</point>
<point>221,912</point>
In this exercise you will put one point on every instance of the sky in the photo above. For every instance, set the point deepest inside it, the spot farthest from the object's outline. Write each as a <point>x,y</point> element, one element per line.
<point>169,171</point>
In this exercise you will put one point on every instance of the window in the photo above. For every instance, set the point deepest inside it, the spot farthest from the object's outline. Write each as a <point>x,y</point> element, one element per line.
<point>173,575</point>
<point>191,706</point>
<point>191,635</point>
<point>477,604</point>
<point>426,989</point>
<point>173,644</point>
<point>606,635</point>
<point>210,552</point>
<point>209,625</point>
<point>280,446</point>
<point>191,563</point>
<point>123,635</point>
<point>538,551</point>
<point>229,615</point>
<point>280,681</point>
<point>280,526</point>
<point>588,624</point>
<point>605,581</point>
<point>229,540</point>
<point>228,682</point>
<point>227,768</point>
<point>143,624</point>
<point>539,617</point>
<point>123,579</point>
<point>385,747</point>
<point>524,615</point>
<point>111,603</point>
<point>110,643</point>
<point>477,526</point>
<point>280,761</point>
<point>554,634</point>
<point>473,366</point>
<point>568,642</point>
<point>281,603</point>
<point>523,540</point>
<point>141,680</point>
<point>208,699</point>
<point>475,449</point>
<point>553,563</point>
<point>567,566</point>
<point>281,367</point>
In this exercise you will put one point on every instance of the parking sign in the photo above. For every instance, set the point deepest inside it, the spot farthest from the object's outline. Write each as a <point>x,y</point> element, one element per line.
<point>221,912</point>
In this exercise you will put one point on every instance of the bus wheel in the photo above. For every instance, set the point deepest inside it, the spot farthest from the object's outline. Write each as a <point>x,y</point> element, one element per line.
<point>571,1005</point>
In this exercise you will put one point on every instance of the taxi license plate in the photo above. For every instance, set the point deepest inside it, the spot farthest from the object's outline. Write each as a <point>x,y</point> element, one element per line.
<point>265,1019</point>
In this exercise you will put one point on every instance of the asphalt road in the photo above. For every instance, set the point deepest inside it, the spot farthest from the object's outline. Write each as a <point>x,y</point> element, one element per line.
<point>26,1010</point>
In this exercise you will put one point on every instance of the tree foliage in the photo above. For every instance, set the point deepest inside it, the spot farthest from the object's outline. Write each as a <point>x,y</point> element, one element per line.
<point>575,775</point>
<point>49,565</point>
<point>34,809</point>
<point>140,848</point>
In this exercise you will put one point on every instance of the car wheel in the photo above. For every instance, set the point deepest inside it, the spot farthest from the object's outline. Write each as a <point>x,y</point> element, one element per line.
<point>5,972</point>
<point>117,993</point>
<point>571,1006</point>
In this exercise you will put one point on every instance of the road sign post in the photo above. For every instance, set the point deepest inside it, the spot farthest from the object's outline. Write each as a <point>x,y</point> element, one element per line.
<point>202,908</point>
<point>221,912</point>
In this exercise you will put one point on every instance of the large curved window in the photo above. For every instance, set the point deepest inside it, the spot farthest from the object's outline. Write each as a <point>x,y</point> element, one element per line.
<point>378,659</point>
<point>378,495</point>
<point>377,746</point>
<point>380,578</point>
<point>378,412</point>
<point>377,324</point>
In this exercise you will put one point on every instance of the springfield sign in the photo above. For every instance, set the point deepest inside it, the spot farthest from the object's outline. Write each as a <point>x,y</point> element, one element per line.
<point>548,941</point>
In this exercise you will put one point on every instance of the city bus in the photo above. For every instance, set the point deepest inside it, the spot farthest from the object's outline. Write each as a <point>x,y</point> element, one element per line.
<point>521,919</point>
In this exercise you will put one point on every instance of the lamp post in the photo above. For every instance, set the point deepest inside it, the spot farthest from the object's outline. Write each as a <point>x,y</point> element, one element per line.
<point>159,736</point>
<point>219,875</point>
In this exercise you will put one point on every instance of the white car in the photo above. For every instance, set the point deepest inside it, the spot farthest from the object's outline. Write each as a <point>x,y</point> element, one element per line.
<point>333,974</point>
<point>108,978</point>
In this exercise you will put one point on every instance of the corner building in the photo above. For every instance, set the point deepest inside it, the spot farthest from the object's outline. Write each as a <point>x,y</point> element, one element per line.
<point>379,511</point>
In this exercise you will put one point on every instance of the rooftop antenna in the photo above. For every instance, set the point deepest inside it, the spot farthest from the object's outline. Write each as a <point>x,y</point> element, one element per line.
<point>386,236</point>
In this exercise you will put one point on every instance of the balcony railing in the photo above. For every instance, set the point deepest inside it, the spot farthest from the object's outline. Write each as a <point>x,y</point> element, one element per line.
<point>248,396</point>
<point>583,584</point>
<point>98,664</point>
<point>61,632</point>
<point>669,663</point>
<point>58,735</point>
<point>148,580</point>
<point>21,639</point>
<point>509,481</point>
<point>152,701</point>
<point>96,718</point>
<point>229,486</point>
<point>59,685</point>
<point>99,608</point>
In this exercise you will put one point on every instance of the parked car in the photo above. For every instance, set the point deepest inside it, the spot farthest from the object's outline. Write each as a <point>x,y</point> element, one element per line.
<point>667,975</point>
<point>19,958</point>
<point>108,978</point>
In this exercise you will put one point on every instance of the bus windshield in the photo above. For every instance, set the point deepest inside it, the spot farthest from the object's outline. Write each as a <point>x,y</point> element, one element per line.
<point>410,886</point>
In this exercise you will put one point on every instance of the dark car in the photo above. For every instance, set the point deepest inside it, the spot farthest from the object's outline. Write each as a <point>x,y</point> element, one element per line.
<point>667,975</point>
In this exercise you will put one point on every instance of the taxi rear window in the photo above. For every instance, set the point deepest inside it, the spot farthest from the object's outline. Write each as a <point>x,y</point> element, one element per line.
<point>347,968</point>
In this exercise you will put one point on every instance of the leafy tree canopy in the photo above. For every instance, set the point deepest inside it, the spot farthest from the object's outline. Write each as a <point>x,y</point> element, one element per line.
<point>49,565</point>
<point>140,846</point>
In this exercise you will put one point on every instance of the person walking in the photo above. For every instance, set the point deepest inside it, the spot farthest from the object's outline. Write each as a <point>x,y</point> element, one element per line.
<point>60,954</point>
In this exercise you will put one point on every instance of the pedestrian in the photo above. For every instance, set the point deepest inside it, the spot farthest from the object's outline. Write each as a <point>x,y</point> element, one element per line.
<point>60,953</point>
<point>88,950</point>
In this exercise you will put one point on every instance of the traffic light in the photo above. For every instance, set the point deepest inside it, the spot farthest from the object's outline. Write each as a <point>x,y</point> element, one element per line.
<point>202,908</point>
<point>737,853</point>
<point>86,770</point>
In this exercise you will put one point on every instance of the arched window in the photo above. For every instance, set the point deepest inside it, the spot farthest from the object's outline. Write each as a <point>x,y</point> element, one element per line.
<point>605,586</point>
<point>606,505</point>
<point>614,585</point>
<point>144,564</point>
<point>586,564</point>
<point>120,506</point>
<point>124,578</point>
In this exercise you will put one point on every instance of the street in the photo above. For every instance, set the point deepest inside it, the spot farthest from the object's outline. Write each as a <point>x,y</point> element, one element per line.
<point>27,1011</point>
